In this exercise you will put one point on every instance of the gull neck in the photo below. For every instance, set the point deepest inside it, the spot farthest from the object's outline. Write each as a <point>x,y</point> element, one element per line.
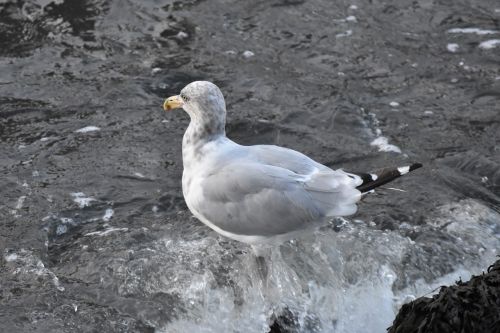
<point>205,125</point>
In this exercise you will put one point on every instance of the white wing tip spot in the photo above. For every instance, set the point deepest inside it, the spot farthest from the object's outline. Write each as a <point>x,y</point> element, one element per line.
<point>404,170</point>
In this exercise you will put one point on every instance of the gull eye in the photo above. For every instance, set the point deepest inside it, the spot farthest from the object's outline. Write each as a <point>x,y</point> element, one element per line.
<point>184,98</point>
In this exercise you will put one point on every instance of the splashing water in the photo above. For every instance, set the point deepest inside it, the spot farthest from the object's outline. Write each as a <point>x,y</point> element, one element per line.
<point>352,280</point>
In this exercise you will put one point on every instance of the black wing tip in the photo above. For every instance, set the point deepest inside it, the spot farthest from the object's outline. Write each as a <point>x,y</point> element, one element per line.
<point>415,166</point>
<point>385,176</point>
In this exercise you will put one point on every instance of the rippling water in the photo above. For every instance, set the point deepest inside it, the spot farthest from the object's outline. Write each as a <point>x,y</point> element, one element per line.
<point>94,232</point>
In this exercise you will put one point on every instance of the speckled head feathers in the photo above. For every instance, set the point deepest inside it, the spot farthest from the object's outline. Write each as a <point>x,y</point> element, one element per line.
<point>205,104</point>
<point>203,94</point>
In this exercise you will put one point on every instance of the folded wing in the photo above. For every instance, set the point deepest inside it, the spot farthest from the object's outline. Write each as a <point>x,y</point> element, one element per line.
<point>246,197</point>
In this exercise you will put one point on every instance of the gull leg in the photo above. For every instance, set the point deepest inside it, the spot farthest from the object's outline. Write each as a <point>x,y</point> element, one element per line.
<point>262,267</point>
<point>260,258</point>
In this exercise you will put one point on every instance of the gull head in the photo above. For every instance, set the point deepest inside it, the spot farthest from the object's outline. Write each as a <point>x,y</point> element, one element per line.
<point>200,99</point>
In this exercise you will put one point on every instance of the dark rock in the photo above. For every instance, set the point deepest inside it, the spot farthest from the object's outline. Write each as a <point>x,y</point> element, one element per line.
<point>472,306</point>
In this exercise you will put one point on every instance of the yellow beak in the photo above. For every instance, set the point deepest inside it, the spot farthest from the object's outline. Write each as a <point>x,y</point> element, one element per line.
<point>173,102</point>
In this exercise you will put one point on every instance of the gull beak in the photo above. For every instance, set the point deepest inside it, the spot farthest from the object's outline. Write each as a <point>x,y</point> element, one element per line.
<point>173,102</point>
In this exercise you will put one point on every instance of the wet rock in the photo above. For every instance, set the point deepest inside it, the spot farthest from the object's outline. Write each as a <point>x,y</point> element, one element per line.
<point>472,306</point>
<point>286,322</point>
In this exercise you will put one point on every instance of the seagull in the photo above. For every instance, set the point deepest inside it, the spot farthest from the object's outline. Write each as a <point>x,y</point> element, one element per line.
<point>260,194</point>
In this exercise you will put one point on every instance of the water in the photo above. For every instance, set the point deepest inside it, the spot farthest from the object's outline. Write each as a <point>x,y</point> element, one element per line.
<point>95,234</point>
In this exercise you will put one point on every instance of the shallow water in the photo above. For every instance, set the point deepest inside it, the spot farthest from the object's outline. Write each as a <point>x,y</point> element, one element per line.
<point>94,231</point>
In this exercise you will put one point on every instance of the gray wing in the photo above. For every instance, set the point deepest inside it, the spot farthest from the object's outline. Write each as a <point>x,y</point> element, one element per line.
<point>285,158</point>
<point>249,197</point>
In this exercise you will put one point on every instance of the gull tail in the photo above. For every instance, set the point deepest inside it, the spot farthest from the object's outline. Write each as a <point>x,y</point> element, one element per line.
<point>384,176</point>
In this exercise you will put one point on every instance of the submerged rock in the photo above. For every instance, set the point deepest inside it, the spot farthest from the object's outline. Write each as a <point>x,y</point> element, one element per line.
<point>472,306</point>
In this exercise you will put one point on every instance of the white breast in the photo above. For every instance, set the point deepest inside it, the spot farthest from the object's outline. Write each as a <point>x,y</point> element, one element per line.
<point>197,160</point>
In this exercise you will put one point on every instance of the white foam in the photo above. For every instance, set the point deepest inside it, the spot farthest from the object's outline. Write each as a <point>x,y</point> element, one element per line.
<point>67,220</point>
<point>61,229</point>
<point>20,202</point>
<point>404,170</point>
<point>138,174</point>
<point>11,257</point>
<point>88,129</point>
<point>105,232</point>
<point>394,104</point>
<point>452,47</point>
<point>108,214</point>
<point>182,35</point>
<point>476,31</point>
<point>395,189</point>
<point>344,34</point>
<point>353,7</point>
<point>81,199</point>
<point>24,264</point>
<point>374,176</point>
<point>382,143</point>
<point>19,205</point>
<point>248,54</point>
<point>489,44</point>
<point>351,18</point>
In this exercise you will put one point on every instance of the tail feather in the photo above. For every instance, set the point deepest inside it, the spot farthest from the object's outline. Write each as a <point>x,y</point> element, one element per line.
<point>384,176</point>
